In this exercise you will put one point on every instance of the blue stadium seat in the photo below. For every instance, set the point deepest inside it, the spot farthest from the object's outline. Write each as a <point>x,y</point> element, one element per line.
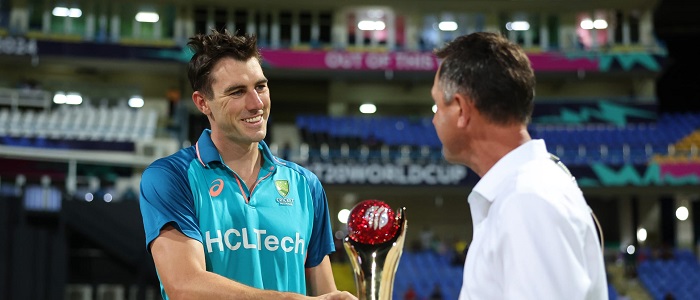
<point>576,144</point>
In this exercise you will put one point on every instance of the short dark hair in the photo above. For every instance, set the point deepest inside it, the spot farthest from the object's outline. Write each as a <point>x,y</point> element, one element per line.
<point>495,73</point>
<point>210,48</point>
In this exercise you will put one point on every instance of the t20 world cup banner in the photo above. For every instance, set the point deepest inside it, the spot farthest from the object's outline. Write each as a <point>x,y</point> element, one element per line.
<point>392,174</point>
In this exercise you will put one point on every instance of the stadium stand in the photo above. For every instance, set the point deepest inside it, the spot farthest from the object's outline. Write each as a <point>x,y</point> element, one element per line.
<point>577,144</point>
<point>676,275</point>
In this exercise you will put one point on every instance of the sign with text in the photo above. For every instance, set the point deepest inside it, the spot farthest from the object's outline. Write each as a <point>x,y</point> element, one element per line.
<point>340,60</point>
<point>402,61</point>
<point>392,174</point>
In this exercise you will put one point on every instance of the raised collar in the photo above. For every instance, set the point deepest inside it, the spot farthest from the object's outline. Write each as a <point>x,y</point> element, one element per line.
<point>489,186</point>
<point>207,152</point>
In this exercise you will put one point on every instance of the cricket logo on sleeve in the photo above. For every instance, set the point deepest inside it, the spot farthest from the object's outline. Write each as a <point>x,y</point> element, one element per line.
<point>283,189</point>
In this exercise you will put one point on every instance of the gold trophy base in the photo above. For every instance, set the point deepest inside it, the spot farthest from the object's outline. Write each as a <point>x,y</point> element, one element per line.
<point>374,266</point>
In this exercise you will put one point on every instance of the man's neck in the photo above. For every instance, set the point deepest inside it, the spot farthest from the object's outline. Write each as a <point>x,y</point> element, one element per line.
<point>494,144</point>
<point>245,160</point>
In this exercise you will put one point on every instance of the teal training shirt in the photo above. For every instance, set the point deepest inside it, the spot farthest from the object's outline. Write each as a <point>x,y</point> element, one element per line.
<point>264,237</point>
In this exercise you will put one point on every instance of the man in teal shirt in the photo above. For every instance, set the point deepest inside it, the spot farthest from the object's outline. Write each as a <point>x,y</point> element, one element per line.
<point>225,218</point>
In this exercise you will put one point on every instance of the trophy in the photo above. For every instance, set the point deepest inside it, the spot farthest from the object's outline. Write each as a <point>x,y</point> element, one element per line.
<point>374,244</point>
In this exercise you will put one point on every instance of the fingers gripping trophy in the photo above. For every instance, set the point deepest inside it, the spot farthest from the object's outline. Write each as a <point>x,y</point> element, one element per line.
<point>374,244</point>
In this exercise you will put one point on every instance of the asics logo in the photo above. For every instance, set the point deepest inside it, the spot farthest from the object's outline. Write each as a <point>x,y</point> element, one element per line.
<point>216,187</point>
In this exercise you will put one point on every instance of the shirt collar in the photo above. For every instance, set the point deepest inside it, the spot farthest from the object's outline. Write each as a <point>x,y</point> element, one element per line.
<point>207,153</point>
<point>488,187</point>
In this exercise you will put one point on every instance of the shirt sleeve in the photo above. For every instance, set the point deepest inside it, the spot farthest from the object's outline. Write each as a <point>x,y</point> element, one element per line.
<point>321,242</point>
<point>541,251</point>
<point>166,198</point>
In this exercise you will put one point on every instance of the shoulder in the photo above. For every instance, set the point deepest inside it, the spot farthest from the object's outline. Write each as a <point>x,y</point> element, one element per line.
<point>545,178</point>
<point>167,178</point>
<point>177,160</point>
<point>541,188</point>
<point>172,166</point>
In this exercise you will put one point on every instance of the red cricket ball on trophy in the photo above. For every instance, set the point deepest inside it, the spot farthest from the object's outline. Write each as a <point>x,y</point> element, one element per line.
<point>374,244</point>
<point>372,222</point>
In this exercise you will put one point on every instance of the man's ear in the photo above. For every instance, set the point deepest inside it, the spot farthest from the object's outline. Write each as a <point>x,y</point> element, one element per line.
<point>466,109</point>
<point>201,102</point>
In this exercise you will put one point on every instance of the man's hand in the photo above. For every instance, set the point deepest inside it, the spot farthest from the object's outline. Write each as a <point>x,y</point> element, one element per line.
<point>337,295</point>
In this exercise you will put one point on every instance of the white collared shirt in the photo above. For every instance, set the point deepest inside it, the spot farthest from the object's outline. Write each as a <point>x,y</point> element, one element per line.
<point>534,237</point>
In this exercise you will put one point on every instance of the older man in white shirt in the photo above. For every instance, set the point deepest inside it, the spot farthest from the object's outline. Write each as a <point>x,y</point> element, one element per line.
<point>534,237</point>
